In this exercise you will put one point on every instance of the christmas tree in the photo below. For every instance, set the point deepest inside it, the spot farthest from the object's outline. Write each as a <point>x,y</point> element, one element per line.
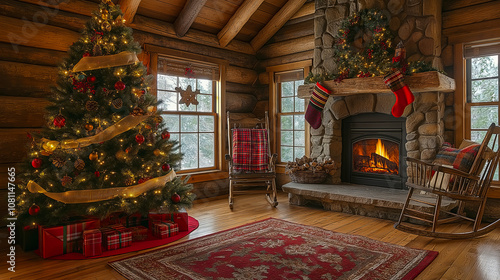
<point>105,148</point>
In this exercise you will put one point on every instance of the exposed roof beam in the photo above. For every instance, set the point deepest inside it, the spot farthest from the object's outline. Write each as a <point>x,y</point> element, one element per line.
<point>305,10</point>
<point>237,21</point>
<point>167,29</point>
<point>279,19</point>
<point>187,16</point>
<point>129,9</point>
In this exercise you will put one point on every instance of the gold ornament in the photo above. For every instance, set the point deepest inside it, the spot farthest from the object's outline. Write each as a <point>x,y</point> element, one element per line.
<point>158,119</point>
<point>94,156</point>
<point>104,14</point>
<point>137,112</point>
<point>156,152</point>
<point>79,164</point>
<point>89,127</point>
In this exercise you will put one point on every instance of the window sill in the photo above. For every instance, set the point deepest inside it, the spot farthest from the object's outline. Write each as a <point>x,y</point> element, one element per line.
<point>204,176</point>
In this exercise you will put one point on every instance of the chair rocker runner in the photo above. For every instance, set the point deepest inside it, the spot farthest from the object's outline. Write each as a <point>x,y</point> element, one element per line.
<point>463,187</point>
<point>250,161</point>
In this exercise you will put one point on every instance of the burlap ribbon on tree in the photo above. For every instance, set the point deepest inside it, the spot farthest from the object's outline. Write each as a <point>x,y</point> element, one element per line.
<point>95,195</point>
<point>123,125</point>
<point>105,61</point>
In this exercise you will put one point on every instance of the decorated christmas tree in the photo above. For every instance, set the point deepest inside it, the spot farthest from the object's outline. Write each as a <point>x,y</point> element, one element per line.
<point>104,148</point>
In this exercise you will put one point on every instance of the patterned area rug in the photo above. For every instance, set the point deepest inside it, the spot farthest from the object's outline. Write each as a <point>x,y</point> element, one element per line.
<point>277,249</point>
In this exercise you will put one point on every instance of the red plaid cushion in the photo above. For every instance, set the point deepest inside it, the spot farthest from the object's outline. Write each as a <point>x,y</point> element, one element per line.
<point>461,159</point>
<point>250,149</point>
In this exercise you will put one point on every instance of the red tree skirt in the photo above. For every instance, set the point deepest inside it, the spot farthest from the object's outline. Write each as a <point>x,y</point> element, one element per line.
<point>151,242</point>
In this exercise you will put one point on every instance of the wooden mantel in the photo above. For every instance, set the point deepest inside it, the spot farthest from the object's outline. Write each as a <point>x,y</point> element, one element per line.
<point>418,82</point>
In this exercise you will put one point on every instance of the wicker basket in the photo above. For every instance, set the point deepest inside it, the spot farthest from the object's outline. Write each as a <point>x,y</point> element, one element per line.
<point>308,177</point>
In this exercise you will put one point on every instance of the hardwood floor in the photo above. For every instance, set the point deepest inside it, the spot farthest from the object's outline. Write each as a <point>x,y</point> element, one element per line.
<point>473,259</point>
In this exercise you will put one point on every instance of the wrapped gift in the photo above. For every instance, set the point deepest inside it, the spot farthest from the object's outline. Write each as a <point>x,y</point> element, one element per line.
<point>165,229</point>
<point>134,220</point>
<point>180,218</point>
<point>139,233</point>
<point>27,237</point>
<point>115,237</point>
<point>63,239</point>
<point>92,243</point>
<point>117,218</point>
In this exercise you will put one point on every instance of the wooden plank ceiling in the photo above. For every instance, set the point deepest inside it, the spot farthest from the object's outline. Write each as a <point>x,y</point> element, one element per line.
<point>240,25</point>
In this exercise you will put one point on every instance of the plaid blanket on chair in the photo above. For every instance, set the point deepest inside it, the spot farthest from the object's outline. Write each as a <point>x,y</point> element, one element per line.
<point>250,149</point>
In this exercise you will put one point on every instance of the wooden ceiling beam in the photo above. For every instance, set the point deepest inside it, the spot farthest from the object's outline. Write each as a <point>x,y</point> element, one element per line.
<point>278,20</point>
<point>187,16</point>
<point>129,9</point>
<point>237,21</point>
<point>306,10</point>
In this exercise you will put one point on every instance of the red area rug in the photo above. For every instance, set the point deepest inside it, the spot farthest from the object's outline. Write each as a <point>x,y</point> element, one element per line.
<point>151,242</point>
<point>277,249</point>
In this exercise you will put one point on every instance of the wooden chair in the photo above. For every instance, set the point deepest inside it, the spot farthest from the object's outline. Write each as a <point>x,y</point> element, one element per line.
<point>241,177</point>
<point>463,187</point>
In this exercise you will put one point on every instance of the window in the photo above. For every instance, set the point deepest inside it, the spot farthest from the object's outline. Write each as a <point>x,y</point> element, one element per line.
<point>292,140</point>
<point>189,92</point>
<point>482,95</point>
<point>291,131</point>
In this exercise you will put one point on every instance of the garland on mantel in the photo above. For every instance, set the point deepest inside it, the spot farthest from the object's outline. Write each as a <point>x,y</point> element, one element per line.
<point>363,48</point>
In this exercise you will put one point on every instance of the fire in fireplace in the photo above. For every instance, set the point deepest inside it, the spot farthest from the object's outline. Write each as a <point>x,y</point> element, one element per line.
<point>376,156</point>
<point>373,150</point>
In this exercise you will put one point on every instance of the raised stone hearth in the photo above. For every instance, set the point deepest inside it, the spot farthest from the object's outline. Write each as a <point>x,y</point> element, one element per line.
<point>362,200</point>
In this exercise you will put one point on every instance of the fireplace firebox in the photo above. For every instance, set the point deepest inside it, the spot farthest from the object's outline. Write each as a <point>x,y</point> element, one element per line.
<point>373,150</point>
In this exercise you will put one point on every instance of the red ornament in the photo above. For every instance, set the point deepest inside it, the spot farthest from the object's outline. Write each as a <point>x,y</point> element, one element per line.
<point>165,167</point>
<point>59,121</point>
<point>97,173</point>
<point>36,162</point>
<point>86,54</point>
<point>176,198</point>
<point>91,79</point>
<point>139,138</point>
<point>119,85</point>
<point>34,209</point>
<point>165,135</point>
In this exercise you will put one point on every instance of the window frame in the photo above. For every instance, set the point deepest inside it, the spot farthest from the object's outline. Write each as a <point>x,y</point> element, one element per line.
<point>462,110</point>
<point>209,173</point>
<point>275,103</point>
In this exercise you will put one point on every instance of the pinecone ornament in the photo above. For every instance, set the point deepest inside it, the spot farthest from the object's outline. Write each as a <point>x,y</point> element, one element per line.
<point>66,180</point>
<point>79,164</point>
<point>117,103</point>
<point>91,105</point>
<point>58,162</point>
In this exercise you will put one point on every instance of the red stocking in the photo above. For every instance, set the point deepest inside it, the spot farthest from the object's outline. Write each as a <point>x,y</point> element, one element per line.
<point>316,104</point>
<point>404,96</point>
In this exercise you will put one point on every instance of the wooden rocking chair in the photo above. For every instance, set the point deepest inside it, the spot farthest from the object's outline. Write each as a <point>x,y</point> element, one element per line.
<point>250,161</point>
<point>463,187</point>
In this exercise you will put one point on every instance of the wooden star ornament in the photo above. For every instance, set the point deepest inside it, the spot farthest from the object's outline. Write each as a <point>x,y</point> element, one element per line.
<point>188,96</point>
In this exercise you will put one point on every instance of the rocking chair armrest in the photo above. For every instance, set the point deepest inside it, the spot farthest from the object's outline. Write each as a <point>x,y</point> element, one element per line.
<point>418,161</point>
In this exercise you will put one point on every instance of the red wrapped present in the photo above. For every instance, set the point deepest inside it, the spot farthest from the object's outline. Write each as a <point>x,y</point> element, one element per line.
<point>165,229</point>
<point>117,218</point>
<point>139,233</point>
<point>180,218</point>
<point>64,239</point>
<point>92,243</point>
<point>134,220</point>
<point>115,237</point>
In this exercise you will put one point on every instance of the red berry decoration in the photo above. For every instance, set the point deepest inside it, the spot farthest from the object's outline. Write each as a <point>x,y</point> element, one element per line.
<point>119,85</point>
<point>86,54</point>
<point>165,135</point>
<point>176,198</point>
<point>36,162</point>
<point>139,138</point>
<point>97,173</point>
<point>165,167</point>
<point>91,79</point>
<point>59,121</point>
<point>34,209</point>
